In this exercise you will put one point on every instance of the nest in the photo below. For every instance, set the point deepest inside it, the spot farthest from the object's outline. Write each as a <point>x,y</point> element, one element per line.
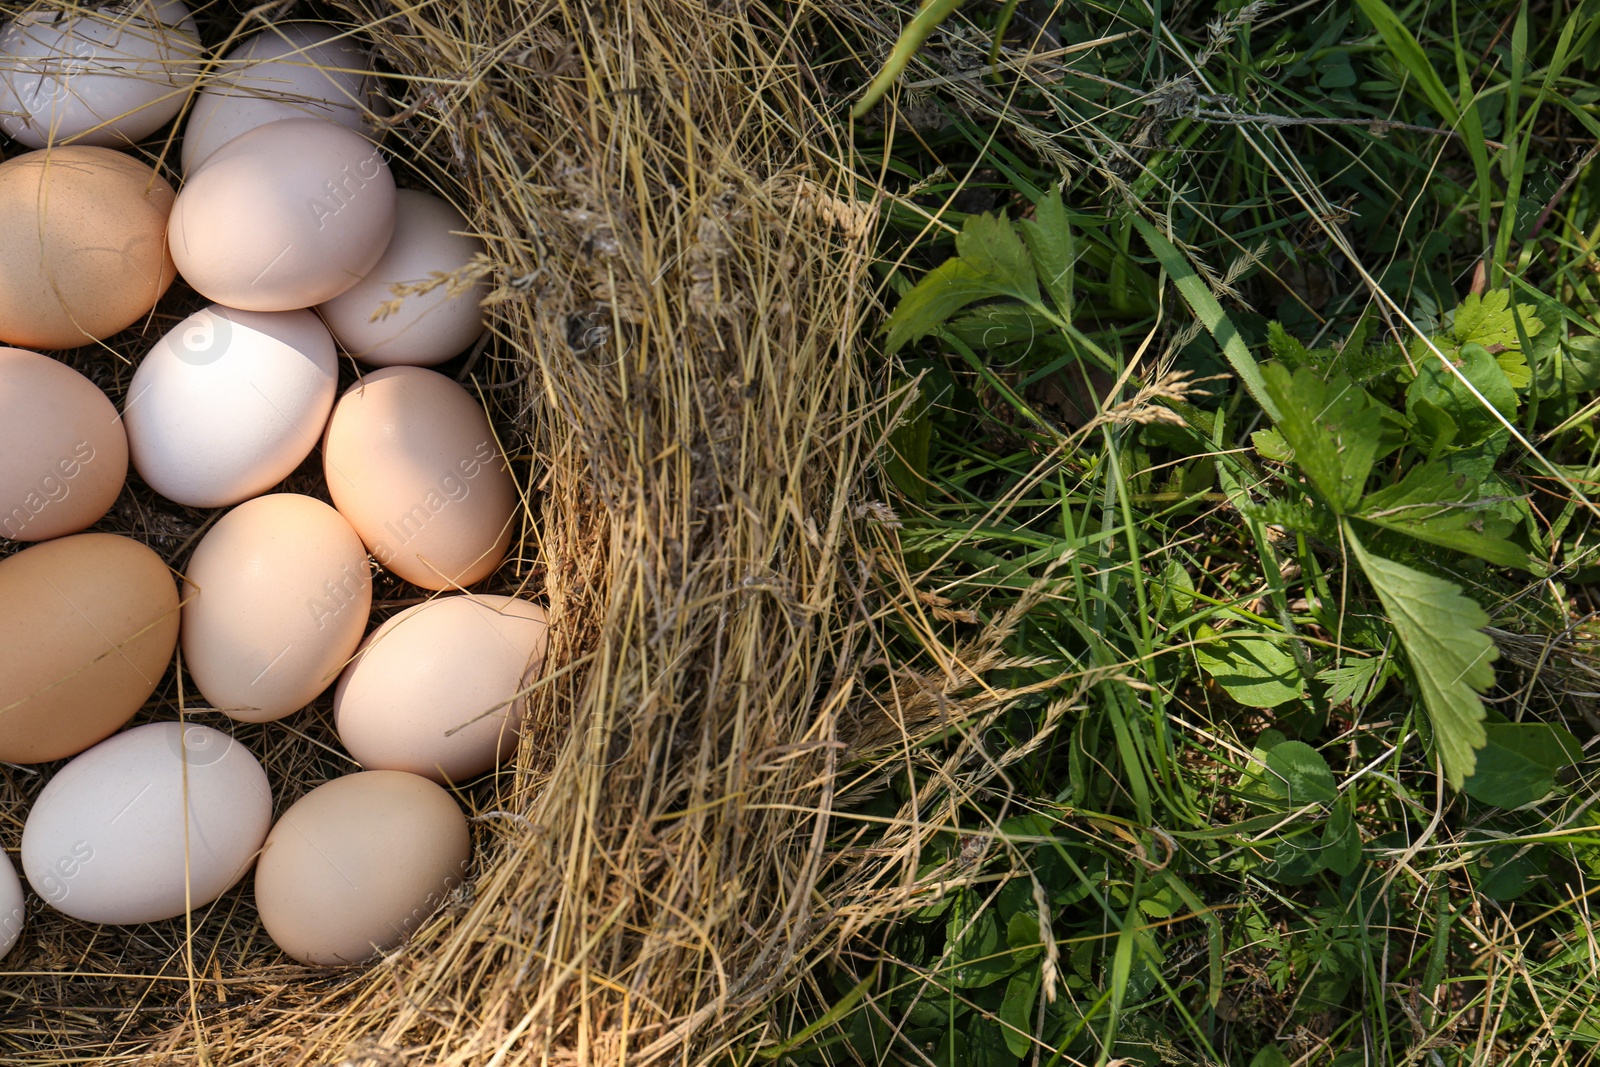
<point>679,263</point>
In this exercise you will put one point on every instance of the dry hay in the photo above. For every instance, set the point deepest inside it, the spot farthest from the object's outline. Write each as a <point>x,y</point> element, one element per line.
<point>680,274</point>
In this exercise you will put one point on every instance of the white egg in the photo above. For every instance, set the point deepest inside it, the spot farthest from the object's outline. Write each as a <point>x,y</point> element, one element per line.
<point>431,238</point>
<point>229,403</point>
<point>106,77</point>
<point>296,70</point>
<point>12,912</point>
<point>147,824</point>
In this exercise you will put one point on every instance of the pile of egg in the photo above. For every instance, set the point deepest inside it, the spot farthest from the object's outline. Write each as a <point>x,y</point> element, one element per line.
<point>289,221</point>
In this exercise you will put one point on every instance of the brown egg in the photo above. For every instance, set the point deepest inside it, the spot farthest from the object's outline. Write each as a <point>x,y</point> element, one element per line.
<point>89,627</point>
<point>63,452</point>
<point>276,597</point>
<point>84,233</point>
<point>412,462</point>
<point>357,864</point>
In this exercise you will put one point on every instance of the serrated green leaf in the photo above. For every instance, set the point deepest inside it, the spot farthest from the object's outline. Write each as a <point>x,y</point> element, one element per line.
<point>942,292</point>
<point>1451,657</point>
<point>1333,427</point>
<point>1298,773</point>
<point>1254,668</point>
<point>1518,765</point>
<point>990,245</point>
<point>1287,349</point>
<point>1048,236</point>
<point>1349,683</point>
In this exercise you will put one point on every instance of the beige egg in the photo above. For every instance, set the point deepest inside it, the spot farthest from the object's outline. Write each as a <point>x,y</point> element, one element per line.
<point>63,451</point>
<point>107,76</point>
<point>357,864</point>
<point>276,597</point>
<point>84,234</point>
<point>288,215</point>
<point>431,239</point>
<point>438,689</point>
<point>412,462</point>
<point>147,825</point>
<point>291,70</point>
<point>89,626</point>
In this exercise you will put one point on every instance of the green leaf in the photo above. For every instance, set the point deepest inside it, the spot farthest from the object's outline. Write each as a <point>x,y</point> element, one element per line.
<point>1292,864</point>
<point>1017,1012</point>
<point>1286,349</point>
<point>1049,239</point>
<point>1518,765</point>
<point>978,957</point>
<point>1439,386</point>
<point>1491,320</point>
<point>942,292</point>
<point>1442,633</point>
<point>1439,505</point>
<point>1270,445</point>
<point>1334,429</point>
<point>1254,668</point>
<point>1298,773</point>
<point>907,459</point>
<point>990,245</point>
<point>1503,874</point>
<point>1350,683</point>
<point>1341,840</point>
<point>1205,307</point>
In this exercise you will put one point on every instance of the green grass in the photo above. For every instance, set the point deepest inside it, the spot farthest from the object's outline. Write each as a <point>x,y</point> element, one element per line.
<point>1278,756</point>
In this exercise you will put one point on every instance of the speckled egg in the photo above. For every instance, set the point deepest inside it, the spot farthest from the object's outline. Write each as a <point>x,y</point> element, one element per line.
<point>83,231</point>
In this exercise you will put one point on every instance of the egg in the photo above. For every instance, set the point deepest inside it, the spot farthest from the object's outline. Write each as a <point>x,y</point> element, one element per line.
<point>111,76</point>
<point>147,825</point>
<point>412,462</point>
<point>275,599</point>
<point>88,629</point>
<point>430,239</point>
<point>288,215</point>
<point>84,234</point>
<point>357,864</point>
<point>437,690</point>
<point>13,913</point>
<point>228,403</point>
<point>63,452</point>
<point>295,70</point>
